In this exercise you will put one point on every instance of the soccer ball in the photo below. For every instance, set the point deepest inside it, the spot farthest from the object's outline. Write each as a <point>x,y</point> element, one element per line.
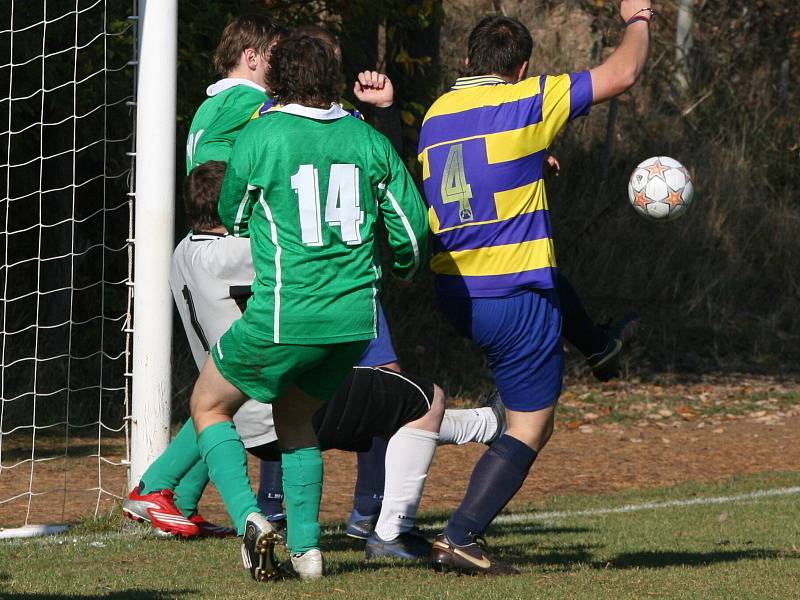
<point>660,189</point>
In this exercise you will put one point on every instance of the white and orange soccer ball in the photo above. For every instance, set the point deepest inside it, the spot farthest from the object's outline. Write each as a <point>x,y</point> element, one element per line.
<point>660,189</point>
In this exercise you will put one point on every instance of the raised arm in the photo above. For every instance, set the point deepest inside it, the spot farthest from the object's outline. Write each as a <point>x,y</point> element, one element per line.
<point>372,87</point>
<point>621,70</point>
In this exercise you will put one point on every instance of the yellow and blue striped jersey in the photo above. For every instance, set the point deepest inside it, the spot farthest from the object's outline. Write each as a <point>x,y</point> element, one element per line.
<point>482,146</point>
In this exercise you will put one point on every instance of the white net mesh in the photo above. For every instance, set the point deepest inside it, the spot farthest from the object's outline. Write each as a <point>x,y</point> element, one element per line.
<point>66,123</point>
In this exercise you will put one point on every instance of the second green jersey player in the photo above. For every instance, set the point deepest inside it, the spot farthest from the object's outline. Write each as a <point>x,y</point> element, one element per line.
<point>306,182</point>
<point>311,182</point>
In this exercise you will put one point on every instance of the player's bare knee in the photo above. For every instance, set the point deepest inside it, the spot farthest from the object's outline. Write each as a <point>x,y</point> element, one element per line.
<point>547,433</point>
<point>433,418</point>
<point>214,399</point>
<point>532,428</point>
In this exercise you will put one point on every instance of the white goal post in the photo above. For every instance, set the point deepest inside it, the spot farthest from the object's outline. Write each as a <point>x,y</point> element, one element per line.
<point>156,99</point>
<point>86,314</point>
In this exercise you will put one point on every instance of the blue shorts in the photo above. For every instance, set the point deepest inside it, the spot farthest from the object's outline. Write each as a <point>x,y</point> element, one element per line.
<point>521,338</point>
<point>380,350</point>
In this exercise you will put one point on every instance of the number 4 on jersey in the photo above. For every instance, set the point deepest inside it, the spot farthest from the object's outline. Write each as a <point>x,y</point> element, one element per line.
<point>342,203</point>
<point>454,184</point>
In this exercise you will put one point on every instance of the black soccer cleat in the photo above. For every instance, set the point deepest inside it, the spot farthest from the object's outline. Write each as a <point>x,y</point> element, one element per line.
<point>409,545</point>
<point>258,548</point>
<point>360,526</point>
<point>471,559</point>
<point>605,365</point>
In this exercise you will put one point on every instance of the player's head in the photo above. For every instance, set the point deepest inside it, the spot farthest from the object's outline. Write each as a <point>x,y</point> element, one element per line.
<point>501,46</point>
<point>323,35</point>
<point>201,193</point>
<point>245,46</point>
<point>305,70</point>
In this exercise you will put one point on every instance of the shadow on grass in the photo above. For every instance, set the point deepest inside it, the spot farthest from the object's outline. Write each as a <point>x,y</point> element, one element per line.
<point>118,595</point>
<point>563,557</point>
<point>649,559</point>
<point>339,542</point>
<point>567,557</point>
<point>532,529</point>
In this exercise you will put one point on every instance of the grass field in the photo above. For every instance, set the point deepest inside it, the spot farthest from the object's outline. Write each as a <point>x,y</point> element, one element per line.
<point>728,542</point>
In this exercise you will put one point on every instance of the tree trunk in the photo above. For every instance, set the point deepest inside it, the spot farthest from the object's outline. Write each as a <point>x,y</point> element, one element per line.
<point>683,46</point>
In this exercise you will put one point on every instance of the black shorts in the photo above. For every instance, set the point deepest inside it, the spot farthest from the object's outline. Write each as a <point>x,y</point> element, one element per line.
<point>371,402</point>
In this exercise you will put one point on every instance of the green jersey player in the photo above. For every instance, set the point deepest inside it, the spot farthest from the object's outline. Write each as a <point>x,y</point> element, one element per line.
<point>242,58</point>
<point>306,183</point>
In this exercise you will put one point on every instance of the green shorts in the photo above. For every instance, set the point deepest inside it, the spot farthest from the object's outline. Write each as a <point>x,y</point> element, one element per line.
<point>265,371</point>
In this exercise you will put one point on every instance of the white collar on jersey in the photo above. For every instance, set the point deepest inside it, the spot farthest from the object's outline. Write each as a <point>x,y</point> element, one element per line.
<point>323,114</point>
<point>201,236</point>
<point>229,82</point>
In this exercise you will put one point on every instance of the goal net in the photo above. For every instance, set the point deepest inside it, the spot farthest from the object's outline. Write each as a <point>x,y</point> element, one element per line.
<point>66,146</point>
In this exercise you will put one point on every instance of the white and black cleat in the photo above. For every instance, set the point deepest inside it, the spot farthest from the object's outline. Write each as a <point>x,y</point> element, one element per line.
<point>258,548</point>
<point>308,565</point>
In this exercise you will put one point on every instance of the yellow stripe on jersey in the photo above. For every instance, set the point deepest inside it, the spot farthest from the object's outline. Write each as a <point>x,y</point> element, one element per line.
<point>470,98</point>
<point>483,144</point>
<point>496,260</point>
<point>516,143</point>
<point>520,201</point>
<point>433,220</point>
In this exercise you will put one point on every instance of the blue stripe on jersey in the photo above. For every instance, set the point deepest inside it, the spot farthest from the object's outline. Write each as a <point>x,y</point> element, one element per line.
<point>481,121</point>
<point>522,228</point>
<point>580,94</point>
<point>495,286</point>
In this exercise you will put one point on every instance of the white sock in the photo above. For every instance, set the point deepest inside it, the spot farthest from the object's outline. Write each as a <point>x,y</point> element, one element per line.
<point>408,457</point>
<point>461,426</point>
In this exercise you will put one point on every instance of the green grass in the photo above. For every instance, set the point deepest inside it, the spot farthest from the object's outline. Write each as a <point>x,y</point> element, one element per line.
<point>744,549</point>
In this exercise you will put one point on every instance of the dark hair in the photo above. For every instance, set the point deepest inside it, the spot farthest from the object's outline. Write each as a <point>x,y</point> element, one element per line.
<point>498,45</point>
<point>249,31</point>
<point>201,193</point>
<point>320,33</point>
<point>305,70</point>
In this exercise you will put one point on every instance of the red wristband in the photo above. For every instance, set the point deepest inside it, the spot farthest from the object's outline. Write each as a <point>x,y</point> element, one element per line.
<point>633,20</point>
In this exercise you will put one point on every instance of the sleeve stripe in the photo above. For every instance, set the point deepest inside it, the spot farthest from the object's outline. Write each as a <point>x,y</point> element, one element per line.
<point>240,213</point>
<point>276,324</point>
<point>580,94</point>
<point>409,230</point>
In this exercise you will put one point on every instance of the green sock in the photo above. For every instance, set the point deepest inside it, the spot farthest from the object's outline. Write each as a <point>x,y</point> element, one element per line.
<point>191,488</point>
<point>302,492</point>
<point>223,452</point>
<point>175,462</point>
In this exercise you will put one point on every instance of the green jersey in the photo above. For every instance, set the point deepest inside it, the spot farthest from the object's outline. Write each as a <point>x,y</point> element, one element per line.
<point>306,185</point>
<point>216,124</point>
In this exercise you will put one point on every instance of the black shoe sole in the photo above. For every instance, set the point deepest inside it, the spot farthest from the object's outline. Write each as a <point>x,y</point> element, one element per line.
<point>267,568</point>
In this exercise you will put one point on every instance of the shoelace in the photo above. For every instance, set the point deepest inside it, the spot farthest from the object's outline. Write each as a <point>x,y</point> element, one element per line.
<point>483,545</point>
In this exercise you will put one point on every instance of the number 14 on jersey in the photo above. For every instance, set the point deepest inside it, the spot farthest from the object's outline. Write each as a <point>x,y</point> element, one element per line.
<point>342,203</point>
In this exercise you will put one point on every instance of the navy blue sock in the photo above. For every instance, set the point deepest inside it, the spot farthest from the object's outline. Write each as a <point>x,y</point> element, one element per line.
<point>368,494</point>
<point>270,487</point>
<point>497,476</point>
<point>577,326</point>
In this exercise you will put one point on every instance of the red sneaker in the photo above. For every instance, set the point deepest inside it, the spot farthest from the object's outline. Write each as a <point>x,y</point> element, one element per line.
<point>158,509</point>
<point>210,529</point>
